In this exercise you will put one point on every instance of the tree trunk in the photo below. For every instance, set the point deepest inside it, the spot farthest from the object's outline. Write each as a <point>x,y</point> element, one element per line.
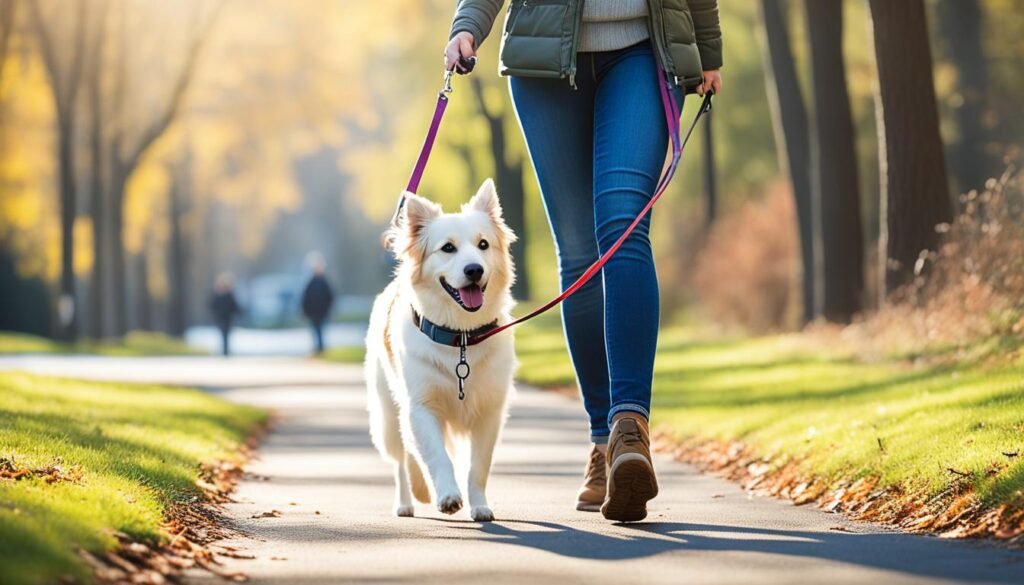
<point>177,259</point>
<point>789,120</point>
<point>67,308</point>
<point>508,175</point>
<point>127,154</point>
<point>961,24</point>
<point>835,186</point>
<point>115,241</point>
<point>64,68</point>
<point>98,210</point>
<point>915,190</point>
<point>710,185</point>
<point>144,303</point>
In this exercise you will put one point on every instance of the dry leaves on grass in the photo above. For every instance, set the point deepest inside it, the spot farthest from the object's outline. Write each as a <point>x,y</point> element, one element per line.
<point>956,512</point>
<point>194,529</point>
<point>51,474</point>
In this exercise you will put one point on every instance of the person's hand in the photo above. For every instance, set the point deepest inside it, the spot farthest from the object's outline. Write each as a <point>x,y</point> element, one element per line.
<point>712,81</point>
<point>462,45</point>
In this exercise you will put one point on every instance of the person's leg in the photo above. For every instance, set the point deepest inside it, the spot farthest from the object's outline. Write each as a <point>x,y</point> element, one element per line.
<point>630,145</point>
<point>557,122</point>
<point>318,336</point>
<point>224,334</point>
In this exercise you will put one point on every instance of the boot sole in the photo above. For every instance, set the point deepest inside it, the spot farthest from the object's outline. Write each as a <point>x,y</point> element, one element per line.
<point>588,506</point>
<point>631,485</point>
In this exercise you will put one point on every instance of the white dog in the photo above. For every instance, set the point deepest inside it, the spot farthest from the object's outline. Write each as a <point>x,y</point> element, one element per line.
<point>454,276</point>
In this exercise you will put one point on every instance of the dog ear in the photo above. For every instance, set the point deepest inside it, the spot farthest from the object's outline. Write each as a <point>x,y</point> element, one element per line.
<point>486,200</point>
<point>418,212</point>
<point>405,235</point>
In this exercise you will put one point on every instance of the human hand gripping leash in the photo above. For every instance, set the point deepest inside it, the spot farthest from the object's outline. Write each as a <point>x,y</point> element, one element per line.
<point>678,144</point>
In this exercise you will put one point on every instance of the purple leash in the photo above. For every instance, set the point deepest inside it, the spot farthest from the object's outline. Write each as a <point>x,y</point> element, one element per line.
<point>428,142</point>
<point>465,66</point>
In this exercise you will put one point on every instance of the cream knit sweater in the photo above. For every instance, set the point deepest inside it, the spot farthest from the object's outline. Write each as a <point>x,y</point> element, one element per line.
<point>613,24</point>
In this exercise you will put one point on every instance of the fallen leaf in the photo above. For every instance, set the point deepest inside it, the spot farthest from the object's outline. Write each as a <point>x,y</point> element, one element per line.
<point>270,514</point>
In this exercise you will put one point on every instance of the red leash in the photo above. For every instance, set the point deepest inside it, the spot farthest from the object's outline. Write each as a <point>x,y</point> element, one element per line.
<point>670,106</point>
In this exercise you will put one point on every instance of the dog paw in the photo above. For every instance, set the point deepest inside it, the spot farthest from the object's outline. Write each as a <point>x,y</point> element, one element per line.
<point>449,504</point>
<point>405,511</point>
<point>482,514</point>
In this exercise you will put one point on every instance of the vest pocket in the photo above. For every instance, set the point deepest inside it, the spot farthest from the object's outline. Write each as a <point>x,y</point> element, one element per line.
<point>536,18</point>
<point>534,33</point>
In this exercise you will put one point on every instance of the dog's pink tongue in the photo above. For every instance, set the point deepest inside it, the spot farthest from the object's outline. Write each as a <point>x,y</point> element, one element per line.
<point>472,296</point>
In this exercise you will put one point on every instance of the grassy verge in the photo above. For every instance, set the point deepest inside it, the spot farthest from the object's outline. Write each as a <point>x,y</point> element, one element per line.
<point>345,355</point>
<point>923,430</point>
<point>125,454</point>
<point>136,343</point>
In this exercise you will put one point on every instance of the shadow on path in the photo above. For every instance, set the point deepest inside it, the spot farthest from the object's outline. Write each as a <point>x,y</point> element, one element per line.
<point>889,551</point>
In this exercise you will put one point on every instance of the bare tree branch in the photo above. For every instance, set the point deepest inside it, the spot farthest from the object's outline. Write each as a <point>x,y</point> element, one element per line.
<point>65,83</point>
<point>174,104</point>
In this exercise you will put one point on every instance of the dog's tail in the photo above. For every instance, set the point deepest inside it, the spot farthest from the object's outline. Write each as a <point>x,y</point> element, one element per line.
<point>416,479</point>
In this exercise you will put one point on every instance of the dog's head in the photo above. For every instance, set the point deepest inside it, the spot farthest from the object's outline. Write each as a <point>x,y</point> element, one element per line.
<point>458,264</point>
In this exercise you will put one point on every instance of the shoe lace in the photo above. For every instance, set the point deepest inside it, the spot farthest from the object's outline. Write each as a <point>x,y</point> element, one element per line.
<point>631,436</point>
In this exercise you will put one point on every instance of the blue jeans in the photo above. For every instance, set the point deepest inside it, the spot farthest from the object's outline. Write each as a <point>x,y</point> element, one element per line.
<point>598,151</point>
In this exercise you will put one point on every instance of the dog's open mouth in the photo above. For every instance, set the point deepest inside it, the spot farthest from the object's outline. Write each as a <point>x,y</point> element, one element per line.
<point>470,297</point>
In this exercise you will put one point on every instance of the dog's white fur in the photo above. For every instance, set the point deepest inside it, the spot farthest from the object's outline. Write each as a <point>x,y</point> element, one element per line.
<point>415,413</point>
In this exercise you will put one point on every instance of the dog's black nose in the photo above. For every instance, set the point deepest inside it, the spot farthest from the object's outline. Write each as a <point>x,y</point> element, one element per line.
<point>474,272</point>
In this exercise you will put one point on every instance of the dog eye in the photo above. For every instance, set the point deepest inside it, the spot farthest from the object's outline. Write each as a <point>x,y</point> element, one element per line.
<point>448,248</point>
<point>483,245</point>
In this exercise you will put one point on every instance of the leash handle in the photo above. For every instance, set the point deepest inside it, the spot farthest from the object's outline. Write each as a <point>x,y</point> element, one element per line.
<point>670,106</point>
<point>465,65</point>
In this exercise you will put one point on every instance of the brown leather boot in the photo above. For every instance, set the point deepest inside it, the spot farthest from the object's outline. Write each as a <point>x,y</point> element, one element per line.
<point>595,483</point>
<point>631,479</point>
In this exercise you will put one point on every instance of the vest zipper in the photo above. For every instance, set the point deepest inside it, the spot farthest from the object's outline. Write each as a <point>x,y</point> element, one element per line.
<point>657,34</point>
<point>577,21</point>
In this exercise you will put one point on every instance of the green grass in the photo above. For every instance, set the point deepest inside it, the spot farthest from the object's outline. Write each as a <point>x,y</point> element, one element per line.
<point>139,448</point>
<point>346,355</point>
<point>781,395</point>
<point>136,343</point>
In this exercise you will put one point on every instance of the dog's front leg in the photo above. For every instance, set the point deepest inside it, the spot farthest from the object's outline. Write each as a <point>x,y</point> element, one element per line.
<point>483,438</point>
<point>428,436</point>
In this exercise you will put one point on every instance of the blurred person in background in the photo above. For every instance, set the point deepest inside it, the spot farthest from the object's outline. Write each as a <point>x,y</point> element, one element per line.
<point>224,307</point>
<point>317,299</point>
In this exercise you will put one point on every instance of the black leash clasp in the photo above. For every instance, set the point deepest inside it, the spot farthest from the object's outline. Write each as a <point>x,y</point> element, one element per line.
<point>462,368</point>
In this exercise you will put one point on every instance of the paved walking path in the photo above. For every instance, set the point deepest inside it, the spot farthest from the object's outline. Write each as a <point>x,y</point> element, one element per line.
<point>319,470</point>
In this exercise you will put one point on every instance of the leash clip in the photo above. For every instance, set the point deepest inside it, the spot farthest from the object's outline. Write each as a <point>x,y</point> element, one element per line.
<point>447,88</point>
<point>462,368</point>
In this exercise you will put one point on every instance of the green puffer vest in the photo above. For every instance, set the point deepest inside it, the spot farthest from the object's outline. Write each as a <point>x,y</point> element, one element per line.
<point>541,36</point>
